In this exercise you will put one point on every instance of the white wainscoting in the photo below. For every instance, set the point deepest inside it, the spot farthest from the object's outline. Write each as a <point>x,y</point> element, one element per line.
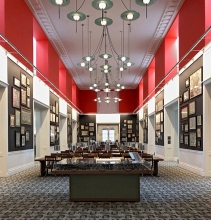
<point>20,160</point>
<point>159,151</point>
<point>191,160</point>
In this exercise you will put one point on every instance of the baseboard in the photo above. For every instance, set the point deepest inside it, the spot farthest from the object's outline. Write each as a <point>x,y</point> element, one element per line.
<point>191,168</point>
<point>18,169</point>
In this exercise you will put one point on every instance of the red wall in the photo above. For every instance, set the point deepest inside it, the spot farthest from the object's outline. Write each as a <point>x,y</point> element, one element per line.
<point>129,100</point>
<point>86,101</point>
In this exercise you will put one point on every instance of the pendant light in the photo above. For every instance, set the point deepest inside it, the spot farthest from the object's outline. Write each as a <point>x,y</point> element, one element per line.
<point>60,3</point>
<point>145,3</point>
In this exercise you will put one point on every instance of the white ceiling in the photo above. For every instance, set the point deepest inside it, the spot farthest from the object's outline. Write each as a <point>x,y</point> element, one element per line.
<point>145,36</point>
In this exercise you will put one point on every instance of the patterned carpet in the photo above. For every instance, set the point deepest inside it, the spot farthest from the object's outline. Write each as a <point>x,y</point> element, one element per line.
<point>176,194</point>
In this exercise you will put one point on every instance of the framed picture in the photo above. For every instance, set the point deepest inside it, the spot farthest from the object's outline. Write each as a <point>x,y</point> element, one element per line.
<point>187,82</point>
<point>17,138</point>
<point>53,117</point>
<point>192,139</point>
<point>57,107</point>
<point>27,135</point>
<point>129,126</point>
<point>23,79</point>
<point>182,127</point>
<point>12,121</point>
<point>16,82</point>
<point>195,83</point>
<point>133,139</point>
<point>198,132</point>
<point>124,129</point>
<point>125,125</point>
<point>86,139</point>
<point>198,143</point>
<point>52,134</point>
<point>57,119</point>
<point>124,139</point>
<point>161,127</point>
<point>91,133</point>
<point>129,135</point>
<point>53,109</point>
<point>28,81</point>
<point>161,116</point>
<point>186,127</point>
<point>133,135</point>
<point>25,116</point>
<point>17,118</point>
<point>86,127</point>
<point>86,123</point>
<point>192,107</point>
<point>84,133</point>
<point>15,98</point>
<point>186,140</point>
<point>184,112</point>
<point>129,131</point>
<point>23,96</point>
<point>28,102</point>
<point>23,130</point>
<point>82,127</point>
<point>91,128</point>
<point>157,121</point>
<point>23,140</point>
<point>199,120</point>
<point>124,134</point>
<point>181,139</point>
<point>125,121</point>
<point>156,107</point>
<point>28,91</point>
<point>160,105</point>
<point>186,96</point>
<point>91,124</point>
<point>130,121</point>
<point>180,99</point>
<point>192,123</point>
<point>57,129</point>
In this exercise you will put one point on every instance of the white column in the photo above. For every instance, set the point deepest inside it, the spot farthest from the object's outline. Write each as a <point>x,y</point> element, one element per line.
<point>63,133</point>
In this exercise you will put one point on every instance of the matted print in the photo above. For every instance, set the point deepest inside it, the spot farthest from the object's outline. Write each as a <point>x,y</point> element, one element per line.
<point>195,83</point>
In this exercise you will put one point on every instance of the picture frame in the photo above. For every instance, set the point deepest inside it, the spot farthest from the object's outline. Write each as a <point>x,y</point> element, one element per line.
<point>181,139</point>
<point>192,107</point>
<point>187,82</point>
<point>161,116</point>
<point>84,133</point>
<point>124,139</point>
<point>129,126</point>
<point>12,121</point>
<point>186,139</point>
<point>23,140</point>
<point>186,96</point>
<point>86,127</point>
<point>198,143</point>
<point>23,79</point>
<point>129,131</point>
<point>57,119</point>
<point>57,107</point>
<point>53,109</point>
<point>17,118</point>
<point>91,124</point>
<point>28,91</point>
<point>57,129</point>
<point>133,135</point>
<point>25,116</point>
<point>28,81</point>
<point>184,112</point>
<point>23,96</point>
<point>160,105</point>
<point>86,124</point>
<point>192,139</point>
<point>91,128</point>
<point>130,121</point>
<point>52,134</point>
<point>182,127</point>
<point>125,121</point>
<point>157,121</point>
<point>53,117</point>
<point>17,138</point>
<point>161,127</point>
<point>124,134</point>
<point>86,139</point>
<point>186,127</point>
<point>15,98</point>
<point>23,130</point>
<point>28,102</point>
<point>125,125</point>
<point>180,99</point>
<point>133,139</point>
<point>192,123</point>
<point>129,135</point>
<point>195,83</point>
<point>16,82</point>
<point>91,133</point>
<point>27,135</point>
<point>82,127</point>
<point>199,120</point>
<point>198,131</point>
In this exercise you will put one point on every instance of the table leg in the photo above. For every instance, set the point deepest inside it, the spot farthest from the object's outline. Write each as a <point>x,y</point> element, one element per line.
<point>155,168</point>
<point>42,168</point>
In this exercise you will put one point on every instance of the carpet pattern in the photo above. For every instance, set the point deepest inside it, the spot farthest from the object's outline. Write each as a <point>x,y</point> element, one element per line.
<point>176,194</point>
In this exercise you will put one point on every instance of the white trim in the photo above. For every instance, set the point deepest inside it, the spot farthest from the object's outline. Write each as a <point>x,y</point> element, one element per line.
<point>191,168</point>
<point>18,169</point>
<point>160,146</point>
<point>40,104</point>
<point>3,84</point>
<point>192,151</point>
<point>20,151</point>
<point>175,101</point>
<point>151,114</point>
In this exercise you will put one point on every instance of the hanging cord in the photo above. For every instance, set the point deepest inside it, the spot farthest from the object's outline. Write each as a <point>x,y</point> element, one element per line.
<point>146,10</point>
<point>80,6</point>
<point>88,33</point>
<point>76,20</point>
<point>82,44</point>
<point>124,5</point>
<point>129,43</point>
<point>123,42</point>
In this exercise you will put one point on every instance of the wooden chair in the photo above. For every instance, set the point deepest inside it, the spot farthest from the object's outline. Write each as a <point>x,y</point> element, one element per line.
<point>116,154</point>
<point>149,161</point>
<point>90,155</point>
<point>49,162</point>
<point>105,155</point>
<point>77,154</point>
<point>126,155</point>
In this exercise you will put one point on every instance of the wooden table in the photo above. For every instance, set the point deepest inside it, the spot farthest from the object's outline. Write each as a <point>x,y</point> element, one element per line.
<point>43,164</point>
<point>155,165</point>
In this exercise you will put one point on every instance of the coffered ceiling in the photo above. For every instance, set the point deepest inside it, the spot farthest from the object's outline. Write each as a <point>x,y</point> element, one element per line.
<point>145,36</point>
